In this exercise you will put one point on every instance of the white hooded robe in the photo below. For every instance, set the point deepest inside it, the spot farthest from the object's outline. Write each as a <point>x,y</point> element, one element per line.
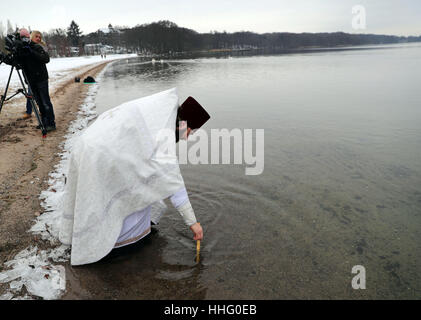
<point>123,163</point>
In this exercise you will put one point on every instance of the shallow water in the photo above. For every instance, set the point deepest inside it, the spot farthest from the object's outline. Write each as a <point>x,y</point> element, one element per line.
<point>341,185</point>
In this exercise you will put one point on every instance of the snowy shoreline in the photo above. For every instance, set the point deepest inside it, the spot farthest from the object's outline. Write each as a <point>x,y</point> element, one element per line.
<point>40,271</point>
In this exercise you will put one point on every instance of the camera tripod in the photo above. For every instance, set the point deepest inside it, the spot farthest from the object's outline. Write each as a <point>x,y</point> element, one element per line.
<point>25,93</point>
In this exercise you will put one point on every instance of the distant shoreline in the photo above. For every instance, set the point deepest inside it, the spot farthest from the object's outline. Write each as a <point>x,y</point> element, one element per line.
<point>253,51</point>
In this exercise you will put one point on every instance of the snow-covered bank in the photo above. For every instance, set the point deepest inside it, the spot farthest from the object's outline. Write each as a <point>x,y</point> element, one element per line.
<point>41,271</point>
<point>60,69</point>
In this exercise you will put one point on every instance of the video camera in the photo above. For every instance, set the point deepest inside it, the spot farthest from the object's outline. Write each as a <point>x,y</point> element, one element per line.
<point>14,44</point>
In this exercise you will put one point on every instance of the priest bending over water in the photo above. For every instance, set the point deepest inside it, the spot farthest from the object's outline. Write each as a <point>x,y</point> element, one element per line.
<point>121,169</point>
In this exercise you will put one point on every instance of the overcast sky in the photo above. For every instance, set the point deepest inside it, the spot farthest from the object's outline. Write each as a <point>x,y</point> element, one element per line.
<point>397,17</point>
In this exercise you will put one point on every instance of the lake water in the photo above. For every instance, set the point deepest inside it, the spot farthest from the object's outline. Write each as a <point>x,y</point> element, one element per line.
<point>341,184</point>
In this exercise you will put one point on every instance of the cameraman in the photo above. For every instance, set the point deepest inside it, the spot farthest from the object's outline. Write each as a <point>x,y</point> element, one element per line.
<point>32,57</point>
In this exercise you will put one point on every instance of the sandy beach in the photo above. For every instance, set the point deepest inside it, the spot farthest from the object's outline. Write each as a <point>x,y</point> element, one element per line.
<point>26,160</point>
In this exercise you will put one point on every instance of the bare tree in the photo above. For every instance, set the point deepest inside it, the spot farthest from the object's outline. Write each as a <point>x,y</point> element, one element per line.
<point>57,41</point>
<point>1,36</point>
<point>9,27</point>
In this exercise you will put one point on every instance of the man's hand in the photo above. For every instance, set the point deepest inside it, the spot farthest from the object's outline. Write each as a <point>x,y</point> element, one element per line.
<point>22,48</point>
<point>197,230</point>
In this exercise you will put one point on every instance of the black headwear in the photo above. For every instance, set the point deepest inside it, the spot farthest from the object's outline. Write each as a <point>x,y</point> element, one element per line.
<point>192,112</point>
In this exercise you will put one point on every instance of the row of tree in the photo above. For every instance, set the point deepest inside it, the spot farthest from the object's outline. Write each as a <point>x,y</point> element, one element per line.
<point>166,37</point>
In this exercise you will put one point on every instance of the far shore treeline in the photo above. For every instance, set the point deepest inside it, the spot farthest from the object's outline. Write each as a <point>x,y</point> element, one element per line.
<point>165,37</point>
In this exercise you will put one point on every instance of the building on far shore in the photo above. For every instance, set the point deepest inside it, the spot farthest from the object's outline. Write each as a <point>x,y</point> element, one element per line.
<point>97,48</point>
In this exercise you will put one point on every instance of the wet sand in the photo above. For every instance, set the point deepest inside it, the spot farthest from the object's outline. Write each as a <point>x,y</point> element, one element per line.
<point>26,159</point>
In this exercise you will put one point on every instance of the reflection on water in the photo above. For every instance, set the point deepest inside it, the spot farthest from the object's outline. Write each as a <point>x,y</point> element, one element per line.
<point>341,185</point>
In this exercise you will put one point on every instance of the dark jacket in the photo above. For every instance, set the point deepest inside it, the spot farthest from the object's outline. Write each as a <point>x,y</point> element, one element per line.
<point>33,58</point>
